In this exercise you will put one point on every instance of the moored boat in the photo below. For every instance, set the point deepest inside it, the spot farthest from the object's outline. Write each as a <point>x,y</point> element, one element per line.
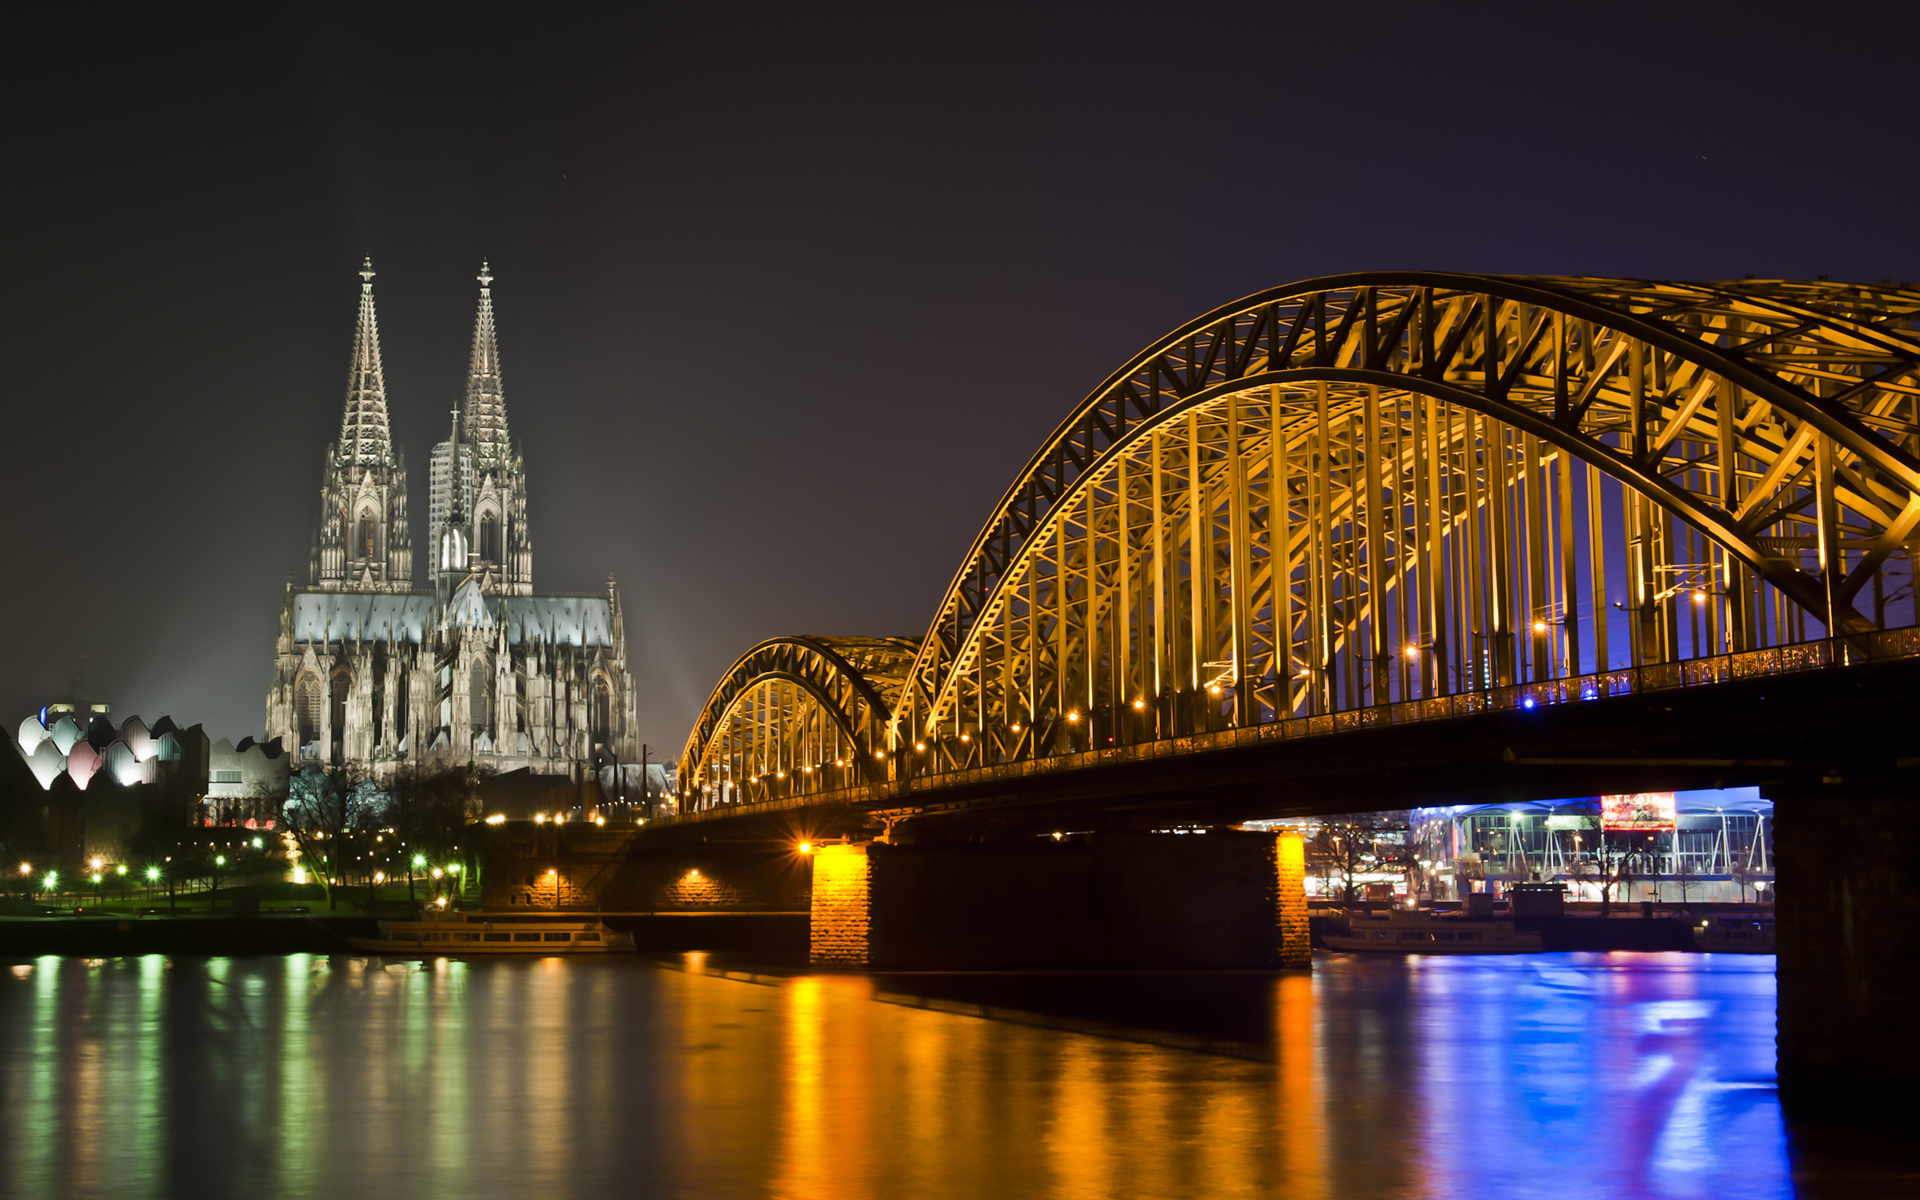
<point>1734,935</point>
<point>1425,933</point>
<point>495,933</point>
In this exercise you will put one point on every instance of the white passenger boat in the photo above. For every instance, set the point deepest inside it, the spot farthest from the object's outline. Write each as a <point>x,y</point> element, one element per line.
<point>1734,935</point>
<point>495,933</point>
<point>1424,933</point>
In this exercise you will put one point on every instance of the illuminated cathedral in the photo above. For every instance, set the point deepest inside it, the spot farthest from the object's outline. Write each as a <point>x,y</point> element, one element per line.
<point>468,665</point>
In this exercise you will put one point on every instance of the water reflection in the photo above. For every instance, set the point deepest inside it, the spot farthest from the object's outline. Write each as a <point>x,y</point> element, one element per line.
<point>1625,1075</point>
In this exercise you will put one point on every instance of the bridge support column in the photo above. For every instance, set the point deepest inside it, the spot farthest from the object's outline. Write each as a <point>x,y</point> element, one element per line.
<point>1113,901</point>
<point>1290,878</point>
<point>840,925</point>
<point>1847,911</point>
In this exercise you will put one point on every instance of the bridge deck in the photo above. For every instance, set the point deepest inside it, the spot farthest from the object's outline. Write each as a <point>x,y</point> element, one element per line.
<point>1747,747</point>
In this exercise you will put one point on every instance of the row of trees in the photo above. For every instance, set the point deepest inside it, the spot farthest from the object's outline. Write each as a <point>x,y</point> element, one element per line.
<point>332,811</point>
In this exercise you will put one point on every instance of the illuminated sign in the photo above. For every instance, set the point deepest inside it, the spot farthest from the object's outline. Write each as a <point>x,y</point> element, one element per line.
<point>1645,811</point>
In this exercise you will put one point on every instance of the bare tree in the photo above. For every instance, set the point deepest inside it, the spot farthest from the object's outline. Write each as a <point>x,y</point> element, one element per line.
<point>1685,873</point>
<point>323,805</point>
<point>431,809</point>
<point>1613,869</point>
<point>1743,874</point>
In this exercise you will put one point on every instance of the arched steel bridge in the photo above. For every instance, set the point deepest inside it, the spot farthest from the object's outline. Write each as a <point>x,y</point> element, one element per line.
<point>1381,498</point>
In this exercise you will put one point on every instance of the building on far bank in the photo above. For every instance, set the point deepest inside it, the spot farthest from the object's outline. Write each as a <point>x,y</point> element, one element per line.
<point>93,776</point>
<point>473,666</point>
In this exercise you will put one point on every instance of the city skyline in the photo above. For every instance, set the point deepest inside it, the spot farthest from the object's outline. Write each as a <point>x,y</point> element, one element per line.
<point>831,298</point>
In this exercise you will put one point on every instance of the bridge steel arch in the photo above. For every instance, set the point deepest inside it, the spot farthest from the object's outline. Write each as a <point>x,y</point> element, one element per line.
<point>1380,487</point>
<point>795,716</point>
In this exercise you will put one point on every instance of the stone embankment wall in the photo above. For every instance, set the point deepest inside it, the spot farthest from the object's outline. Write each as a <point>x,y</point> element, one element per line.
<point>594,868</point>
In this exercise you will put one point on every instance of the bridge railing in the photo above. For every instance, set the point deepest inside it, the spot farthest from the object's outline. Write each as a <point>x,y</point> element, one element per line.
<point>1699,672</point>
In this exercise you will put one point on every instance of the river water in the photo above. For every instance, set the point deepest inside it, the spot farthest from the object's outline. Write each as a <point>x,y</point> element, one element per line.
<point>1607,1075</point>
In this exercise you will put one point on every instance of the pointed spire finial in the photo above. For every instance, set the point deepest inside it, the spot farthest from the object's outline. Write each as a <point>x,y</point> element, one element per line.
<point>483,419</point>
<point>365,438</point>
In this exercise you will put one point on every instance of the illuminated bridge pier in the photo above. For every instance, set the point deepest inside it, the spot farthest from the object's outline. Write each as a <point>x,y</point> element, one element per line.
<point>1377,540</point>
<point>1110,901</point>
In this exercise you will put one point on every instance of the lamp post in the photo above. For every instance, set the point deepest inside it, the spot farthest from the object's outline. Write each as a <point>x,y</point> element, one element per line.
<point>213,879</point>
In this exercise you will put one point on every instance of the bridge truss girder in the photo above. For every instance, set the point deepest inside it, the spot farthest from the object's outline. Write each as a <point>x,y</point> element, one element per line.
<point>1381,487</point>
<point>795,716</point>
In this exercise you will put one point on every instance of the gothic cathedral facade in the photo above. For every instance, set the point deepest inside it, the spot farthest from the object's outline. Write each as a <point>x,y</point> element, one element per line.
<point>473,666</point>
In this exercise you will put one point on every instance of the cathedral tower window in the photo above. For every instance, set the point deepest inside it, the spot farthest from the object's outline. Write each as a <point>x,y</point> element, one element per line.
<point>342,684</point>
<point>306,709</point>
<point>602,710</point>
<point>401,693</point>
<point>490,538</point>
<point>480,705</point>
<point>369,538</point>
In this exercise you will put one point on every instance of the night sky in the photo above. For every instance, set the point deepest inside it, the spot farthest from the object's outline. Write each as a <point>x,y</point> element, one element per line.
<point>788,295</point>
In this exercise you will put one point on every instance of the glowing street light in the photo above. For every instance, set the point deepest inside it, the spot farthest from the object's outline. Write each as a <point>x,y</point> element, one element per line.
<point>153,874</point>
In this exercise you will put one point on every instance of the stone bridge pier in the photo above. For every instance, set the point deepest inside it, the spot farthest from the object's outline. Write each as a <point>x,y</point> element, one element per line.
<point>1847,918</point>
<point>1101,901</point>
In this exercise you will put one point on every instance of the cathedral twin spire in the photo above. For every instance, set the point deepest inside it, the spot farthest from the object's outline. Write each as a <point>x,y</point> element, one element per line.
<point>362,542</point>
<point>364,434</point>
<point>478,490</point>
<point>484,419</point>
